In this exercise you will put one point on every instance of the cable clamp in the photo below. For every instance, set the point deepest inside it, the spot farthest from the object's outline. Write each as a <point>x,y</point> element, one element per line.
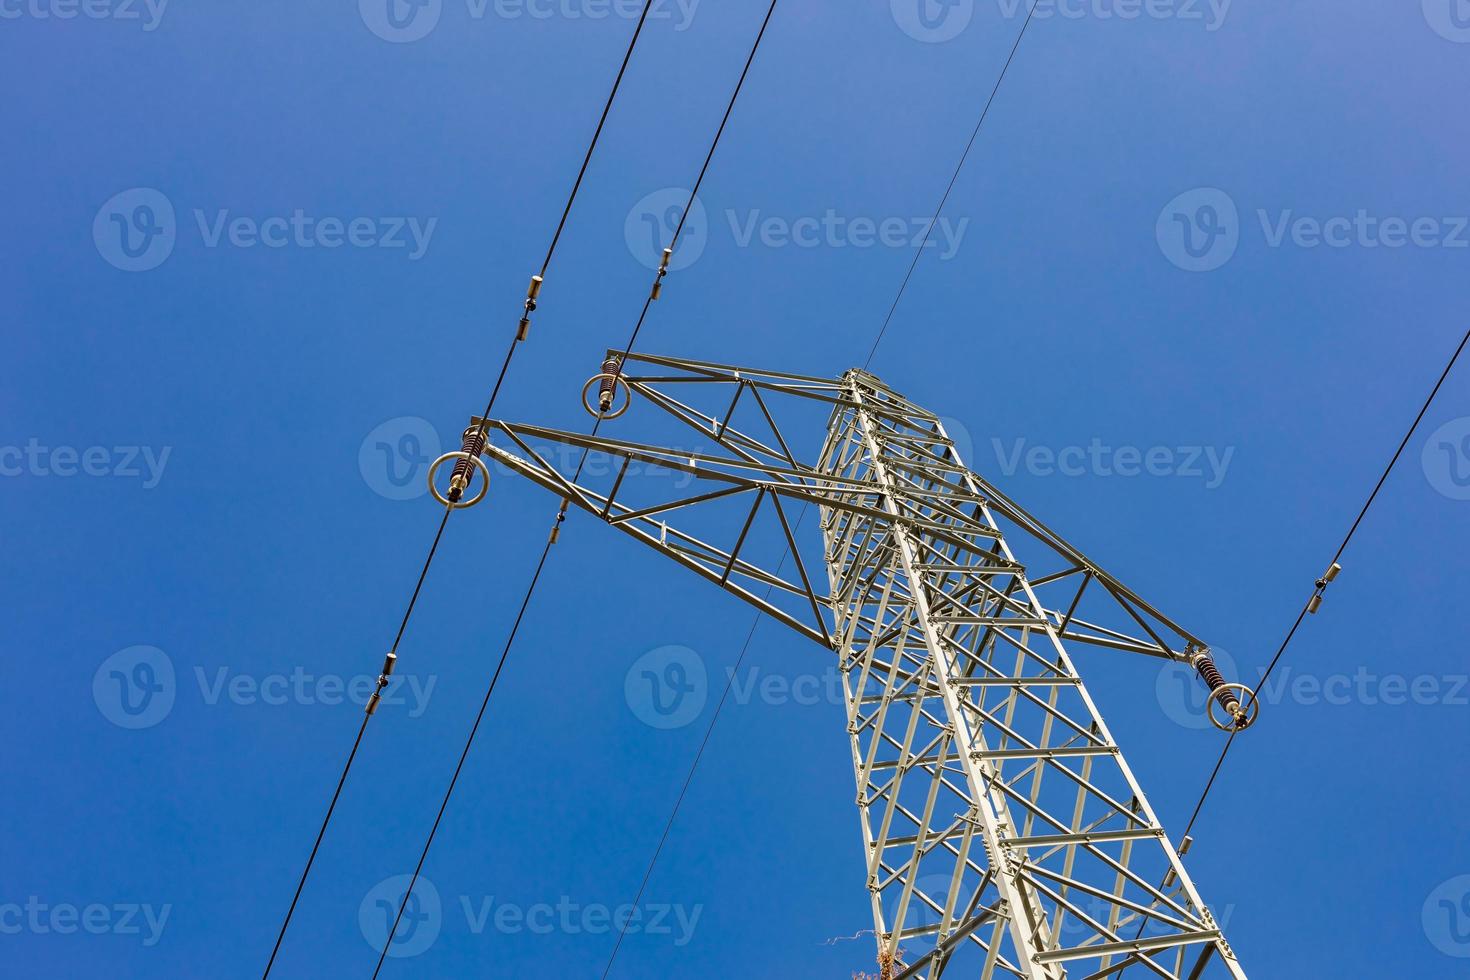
<point>663,270</point>
<point>389,662</point>
<point>1315,603</point>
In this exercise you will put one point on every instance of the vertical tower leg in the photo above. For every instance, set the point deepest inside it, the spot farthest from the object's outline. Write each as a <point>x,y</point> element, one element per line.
<point>1003,832</point>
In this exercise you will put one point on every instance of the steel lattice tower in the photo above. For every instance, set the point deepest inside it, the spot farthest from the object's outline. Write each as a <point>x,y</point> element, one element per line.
<point>1003,833</point>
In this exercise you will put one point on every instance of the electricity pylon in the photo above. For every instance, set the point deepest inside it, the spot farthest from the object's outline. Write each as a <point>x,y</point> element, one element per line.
<point>1003,833</point>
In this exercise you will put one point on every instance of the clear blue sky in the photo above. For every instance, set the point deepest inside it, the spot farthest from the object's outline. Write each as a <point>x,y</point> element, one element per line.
<point>191,462</point>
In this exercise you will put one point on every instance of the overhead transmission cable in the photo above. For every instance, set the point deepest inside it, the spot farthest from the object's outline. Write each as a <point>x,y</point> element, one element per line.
<point>755,622</point>
<point>950,187</point>
<point>1315,599</point>
<point>390,660</point>
<point>561,511</point>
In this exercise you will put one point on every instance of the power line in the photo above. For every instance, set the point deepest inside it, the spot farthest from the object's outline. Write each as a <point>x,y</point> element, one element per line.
<point>944,199</point>
<point>698,757</point>
<point>740,658</point>
<point>504,653</point>
<point>1320,586</point>
<point>530,305</point>
<point>561,512</point>
<point>1316,594</point>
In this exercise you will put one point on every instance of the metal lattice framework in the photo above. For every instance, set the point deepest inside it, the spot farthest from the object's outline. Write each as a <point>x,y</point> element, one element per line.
<point>1004,834</point>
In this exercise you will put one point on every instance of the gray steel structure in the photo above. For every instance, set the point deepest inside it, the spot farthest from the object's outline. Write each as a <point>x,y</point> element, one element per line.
<point>1003,833</point>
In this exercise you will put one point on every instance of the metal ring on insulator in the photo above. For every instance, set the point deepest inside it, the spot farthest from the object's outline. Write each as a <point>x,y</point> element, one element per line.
<point>460,454</point>
<point>616,379</point>
<point>1250,708</point>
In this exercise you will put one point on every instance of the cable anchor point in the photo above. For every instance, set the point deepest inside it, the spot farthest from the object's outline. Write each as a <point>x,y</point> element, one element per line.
<point>608,381</point>
<point>467,460</point>
<point>1239,714</point>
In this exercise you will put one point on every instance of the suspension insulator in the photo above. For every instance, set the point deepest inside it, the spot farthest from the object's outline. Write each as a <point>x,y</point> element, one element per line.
<point>464,469</point>
<point>1228,695</point>
<point>467,459</point>
<point>608,380</point>
<point>608,388</point>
